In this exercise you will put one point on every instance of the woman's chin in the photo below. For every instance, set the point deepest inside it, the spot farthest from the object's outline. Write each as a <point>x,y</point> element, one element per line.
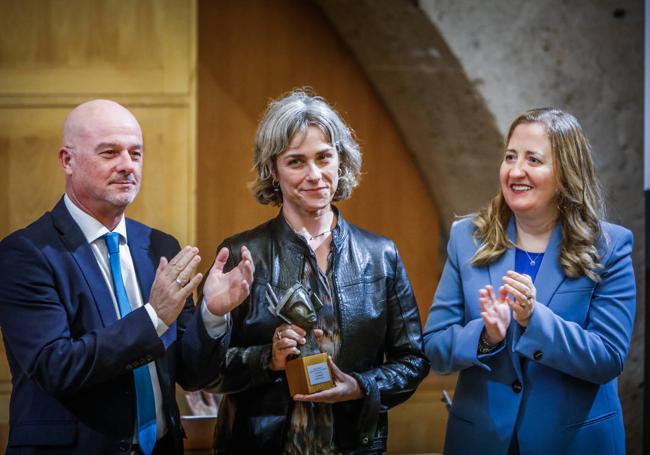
<point>317,207</point>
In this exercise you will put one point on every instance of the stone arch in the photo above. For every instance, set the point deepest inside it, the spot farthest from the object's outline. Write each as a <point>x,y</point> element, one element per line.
<point>444,121</point>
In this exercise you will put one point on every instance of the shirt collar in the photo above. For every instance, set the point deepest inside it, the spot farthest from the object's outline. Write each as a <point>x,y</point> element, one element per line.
<point>90,227</point>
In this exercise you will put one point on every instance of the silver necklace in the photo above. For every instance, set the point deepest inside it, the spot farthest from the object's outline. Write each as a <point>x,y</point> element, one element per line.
<point>532,261</point>
<point>313,236</point>
<point>319,235</point>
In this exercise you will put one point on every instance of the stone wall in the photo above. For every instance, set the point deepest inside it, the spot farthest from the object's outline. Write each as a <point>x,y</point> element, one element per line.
<point>585,57</point>
<point>454,73</point>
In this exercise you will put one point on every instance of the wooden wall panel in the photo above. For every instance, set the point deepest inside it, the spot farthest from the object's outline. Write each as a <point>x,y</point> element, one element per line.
<point>166,197</point>
<point>34,179</point>
<point>55,54</point>
<point>254,50</point>
<point>111,47</point>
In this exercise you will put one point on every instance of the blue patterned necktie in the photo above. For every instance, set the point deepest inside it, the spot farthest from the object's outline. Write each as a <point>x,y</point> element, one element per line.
<point>146,408</point>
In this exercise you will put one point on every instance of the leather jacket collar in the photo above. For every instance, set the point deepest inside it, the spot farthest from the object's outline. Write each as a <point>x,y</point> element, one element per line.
<point>285,234</point>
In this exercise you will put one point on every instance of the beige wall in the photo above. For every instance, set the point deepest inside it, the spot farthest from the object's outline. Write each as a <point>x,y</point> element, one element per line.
<point>56,54</point>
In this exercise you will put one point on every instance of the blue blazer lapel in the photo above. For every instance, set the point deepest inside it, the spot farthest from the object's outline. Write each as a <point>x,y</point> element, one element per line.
<point>497,271</point>
<point>76,243</point>
<point>550,275</point>
<point>506,262</point>
<point>549,278</point>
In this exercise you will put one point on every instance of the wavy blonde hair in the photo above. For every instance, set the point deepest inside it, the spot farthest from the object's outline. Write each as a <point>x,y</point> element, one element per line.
<point>579,200</point>
<point>291,115</point>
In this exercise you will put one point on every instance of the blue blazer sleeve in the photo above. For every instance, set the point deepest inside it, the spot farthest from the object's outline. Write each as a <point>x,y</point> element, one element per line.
<point>594,351</point>
<point>450,339</point>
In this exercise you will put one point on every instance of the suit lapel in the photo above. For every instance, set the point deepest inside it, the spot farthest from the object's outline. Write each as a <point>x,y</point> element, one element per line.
<point>497,271</point>
<point>76,243</point>
<point>550,275</point>
<point>143,260</point>
<point>145,264</point>
<point>549,278</point>
<point>506,262</point>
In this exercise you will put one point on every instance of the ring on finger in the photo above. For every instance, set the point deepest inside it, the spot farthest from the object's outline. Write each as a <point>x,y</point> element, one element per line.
<point>180,282</point>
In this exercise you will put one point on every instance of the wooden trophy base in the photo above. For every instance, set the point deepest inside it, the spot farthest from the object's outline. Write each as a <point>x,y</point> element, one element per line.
<point>309,374</point>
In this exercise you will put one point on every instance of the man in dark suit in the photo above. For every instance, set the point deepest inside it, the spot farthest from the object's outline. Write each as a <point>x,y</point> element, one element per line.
<point>98,325</point>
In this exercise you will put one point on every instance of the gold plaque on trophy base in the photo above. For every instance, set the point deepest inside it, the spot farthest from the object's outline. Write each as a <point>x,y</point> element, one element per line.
<point>309,374</point>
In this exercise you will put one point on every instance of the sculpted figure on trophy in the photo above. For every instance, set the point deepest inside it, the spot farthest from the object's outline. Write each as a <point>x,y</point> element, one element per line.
<point>308,373</point>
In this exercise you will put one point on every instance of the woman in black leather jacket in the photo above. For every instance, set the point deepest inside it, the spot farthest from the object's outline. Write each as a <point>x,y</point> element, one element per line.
<point>306,157</point>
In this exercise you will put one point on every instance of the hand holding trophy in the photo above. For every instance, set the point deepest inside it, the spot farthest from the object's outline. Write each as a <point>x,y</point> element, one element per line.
<point>310,372</point>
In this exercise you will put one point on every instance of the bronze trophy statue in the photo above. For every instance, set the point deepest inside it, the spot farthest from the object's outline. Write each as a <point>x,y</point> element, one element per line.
<point>310,372</point>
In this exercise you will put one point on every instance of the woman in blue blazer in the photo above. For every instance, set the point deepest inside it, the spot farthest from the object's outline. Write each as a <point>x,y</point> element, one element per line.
<point>536,303</point>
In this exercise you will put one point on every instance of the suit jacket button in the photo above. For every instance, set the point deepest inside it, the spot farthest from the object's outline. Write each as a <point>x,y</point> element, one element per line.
<point>538,355</point>
<point>516,386</point>
<point>124,446</point>
<point>365,440</point>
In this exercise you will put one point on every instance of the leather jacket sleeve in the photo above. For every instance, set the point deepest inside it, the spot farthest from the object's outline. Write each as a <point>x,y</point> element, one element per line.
<point>405,364</point>
<point>245,366</point>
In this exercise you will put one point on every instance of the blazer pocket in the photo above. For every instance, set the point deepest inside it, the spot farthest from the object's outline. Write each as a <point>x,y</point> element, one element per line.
<point>574,290</point>
<point>572,305</point>
<point>593,420</point>
<point>454,413</point>
<point>43,434</point>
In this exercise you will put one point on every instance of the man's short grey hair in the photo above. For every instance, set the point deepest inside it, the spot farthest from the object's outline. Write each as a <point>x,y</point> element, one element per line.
<point>291,115</point>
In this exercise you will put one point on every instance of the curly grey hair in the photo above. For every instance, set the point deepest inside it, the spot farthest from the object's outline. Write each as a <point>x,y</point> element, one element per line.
<point>294,114</point>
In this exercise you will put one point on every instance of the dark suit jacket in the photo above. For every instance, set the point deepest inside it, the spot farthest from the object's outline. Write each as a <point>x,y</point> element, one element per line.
<point>69,355</point>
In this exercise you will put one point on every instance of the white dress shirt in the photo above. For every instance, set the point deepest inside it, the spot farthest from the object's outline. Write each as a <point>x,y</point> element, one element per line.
<point>93,231</point>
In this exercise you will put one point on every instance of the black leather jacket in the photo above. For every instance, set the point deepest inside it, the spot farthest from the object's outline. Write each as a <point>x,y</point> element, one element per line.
<point>381,339</point>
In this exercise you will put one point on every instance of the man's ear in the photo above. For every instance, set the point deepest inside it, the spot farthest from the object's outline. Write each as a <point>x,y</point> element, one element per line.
<point>66,158</point>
